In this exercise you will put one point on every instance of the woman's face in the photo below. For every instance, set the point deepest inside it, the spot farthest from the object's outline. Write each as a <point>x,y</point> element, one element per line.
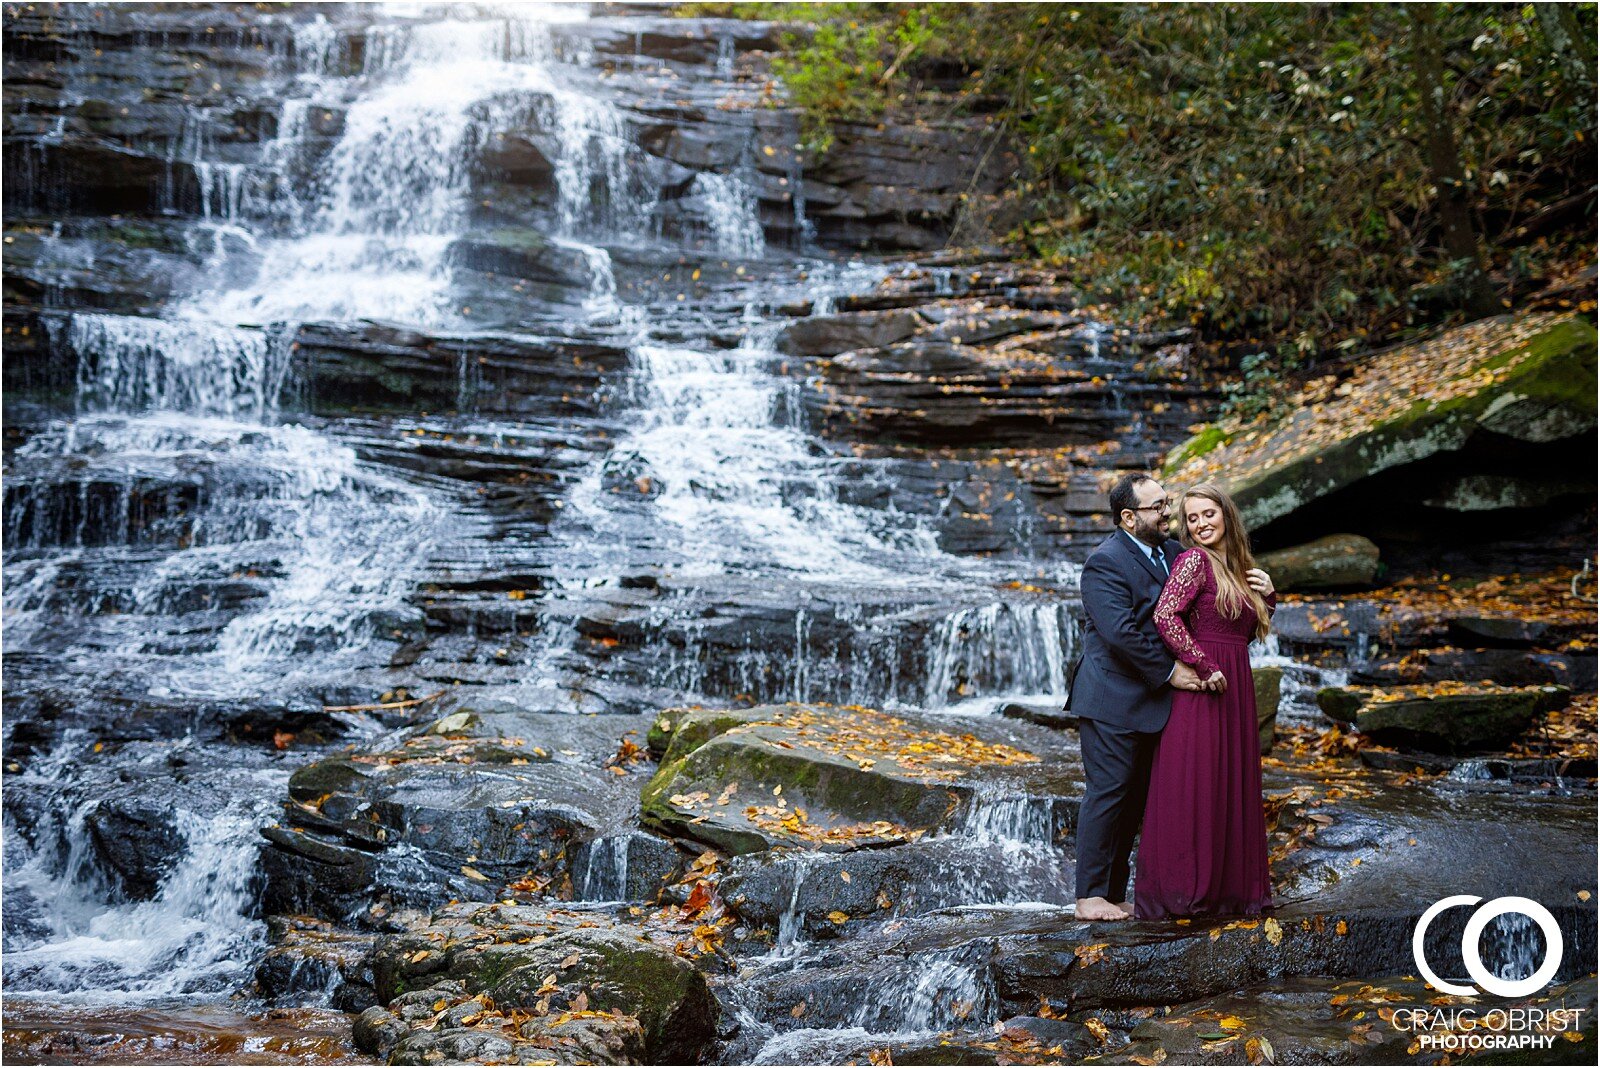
<point>1205,523</point>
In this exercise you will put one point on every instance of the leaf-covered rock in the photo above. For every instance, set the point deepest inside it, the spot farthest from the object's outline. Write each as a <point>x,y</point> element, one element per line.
<point>822,777</point>
<point>1445,717</point>
<point>1526,380</point>
<point>476,981</point>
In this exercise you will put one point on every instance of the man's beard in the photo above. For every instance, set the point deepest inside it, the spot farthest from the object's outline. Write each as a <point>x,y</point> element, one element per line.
<point>1150,533</point>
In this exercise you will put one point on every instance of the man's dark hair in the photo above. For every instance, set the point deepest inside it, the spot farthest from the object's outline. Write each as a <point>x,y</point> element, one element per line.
<point>1124,495</point>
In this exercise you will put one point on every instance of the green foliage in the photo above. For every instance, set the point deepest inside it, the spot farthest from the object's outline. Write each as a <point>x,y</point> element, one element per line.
<point>841,57</point>
<point>1260,390</point>
<point>825,78</point>
<point>1257,170</point>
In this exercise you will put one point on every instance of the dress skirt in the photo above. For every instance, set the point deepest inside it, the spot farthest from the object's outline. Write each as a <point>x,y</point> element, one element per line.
<point>1203,850</point>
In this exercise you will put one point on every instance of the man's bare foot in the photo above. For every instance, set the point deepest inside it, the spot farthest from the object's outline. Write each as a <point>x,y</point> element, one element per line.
<point>1098,908</point>
<point>1127,908</point>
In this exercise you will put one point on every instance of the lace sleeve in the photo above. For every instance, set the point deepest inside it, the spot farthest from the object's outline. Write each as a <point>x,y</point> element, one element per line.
<point>1272,603</point>
<point>1183,587</point>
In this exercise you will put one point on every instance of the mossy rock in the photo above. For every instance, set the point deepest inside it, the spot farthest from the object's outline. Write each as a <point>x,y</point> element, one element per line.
<point>1269,686</point>
<point>511,953</point>
<point>1203,442</point>
<point>621,972</point>
<point>1338,561</point>
<point>833,793</point>
<point>677,731</point>
<point>1484,717</point>
<point>336,775</point>
<point>1530,379</point>
<point>772,776</point>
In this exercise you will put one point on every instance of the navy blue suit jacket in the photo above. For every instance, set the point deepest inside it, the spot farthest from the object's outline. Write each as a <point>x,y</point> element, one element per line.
<point>1121,676</point>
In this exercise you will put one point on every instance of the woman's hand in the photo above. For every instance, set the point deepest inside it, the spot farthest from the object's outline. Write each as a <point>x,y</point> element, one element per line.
<point>1259,581</point>
<point>1216,683</point>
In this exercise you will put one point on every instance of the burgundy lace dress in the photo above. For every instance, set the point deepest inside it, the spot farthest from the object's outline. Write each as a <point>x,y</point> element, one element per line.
<point>1203,849</point>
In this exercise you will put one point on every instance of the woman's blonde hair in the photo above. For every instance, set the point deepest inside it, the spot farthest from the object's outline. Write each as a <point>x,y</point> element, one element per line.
<point>1228,566</point>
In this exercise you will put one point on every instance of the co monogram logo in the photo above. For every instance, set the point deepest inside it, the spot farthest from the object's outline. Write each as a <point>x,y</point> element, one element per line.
<point>1471,952</point>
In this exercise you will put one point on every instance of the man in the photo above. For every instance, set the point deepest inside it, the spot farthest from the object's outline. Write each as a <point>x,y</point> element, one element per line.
<point>1121,689</point>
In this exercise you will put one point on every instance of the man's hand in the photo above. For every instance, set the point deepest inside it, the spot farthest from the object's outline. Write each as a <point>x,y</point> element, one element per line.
<point>1185,678</point>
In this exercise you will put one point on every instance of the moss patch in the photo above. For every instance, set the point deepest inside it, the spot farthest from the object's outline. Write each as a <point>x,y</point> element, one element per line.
<point>1530,378</point>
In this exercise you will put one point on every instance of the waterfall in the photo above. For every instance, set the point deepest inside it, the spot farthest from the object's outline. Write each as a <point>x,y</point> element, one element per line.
<point>130,365</point>
<point>1000,648</point>
<point>928,992</point>
<point>1012,819</point>
<point>97,948</point>
<point>730,205</point>
<point>184,540</point>
<point>605,869</point>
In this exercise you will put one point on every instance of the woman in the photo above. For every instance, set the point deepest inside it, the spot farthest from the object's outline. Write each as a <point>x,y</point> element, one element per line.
<point>1204,844</point>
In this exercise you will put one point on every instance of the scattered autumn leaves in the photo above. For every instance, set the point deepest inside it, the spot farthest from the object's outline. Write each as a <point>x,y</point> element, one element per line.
<point>866,736</point>
<point>1411,379</point>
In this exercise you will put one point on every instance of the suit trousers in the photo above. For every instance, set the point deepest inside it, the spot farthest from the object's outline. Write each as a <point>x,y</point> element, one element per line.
<point>1116,768</point>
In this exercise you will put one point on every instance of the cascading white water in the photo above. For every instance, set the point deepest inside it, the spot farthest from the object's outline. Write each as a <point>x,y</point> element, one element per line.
<point>188,939</point>
<point>1000,648</point>
<point>131,365</point>
<point>730,205</point>
<point>719,466</point>
<point>321,547</point>
<point>1017,819</point>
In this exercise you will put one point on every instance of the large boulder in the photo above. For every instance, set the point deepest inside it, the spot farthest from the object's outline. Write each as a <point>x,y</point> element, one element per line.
<point>464,807</point>
<point>829,335</point>
<point>1444,717</point>
<point>1490,396</point>
<point>1333,562</point>
<point>813,776</point>
<point>478,982</point>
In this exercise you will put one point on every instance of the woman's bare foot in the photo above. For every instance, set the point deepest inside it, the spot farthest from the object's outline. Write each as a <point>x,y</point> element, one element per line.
<point>1127,909</point>
<point>1098,908</point>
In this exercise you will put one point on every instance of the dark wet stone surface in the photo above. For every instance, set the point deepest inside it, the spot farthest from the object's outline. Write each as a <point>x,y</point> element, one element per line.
<point>1324,1021</point>
<point>455,810</point>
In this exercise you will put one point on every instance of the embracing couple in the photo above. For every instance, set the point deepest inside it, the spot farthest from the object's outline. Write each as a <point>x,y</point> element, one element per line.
<point>1166,711</point>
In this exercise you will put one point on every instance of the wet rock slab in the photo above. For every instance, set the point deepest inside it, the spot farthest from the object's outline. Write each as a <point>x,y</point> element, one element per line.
<point>1361,864</point>
<point>811,896</point>
<point>38,1033</point>
<point>460,808</point>
<point>1327,1021</point>
<point>312,958</point>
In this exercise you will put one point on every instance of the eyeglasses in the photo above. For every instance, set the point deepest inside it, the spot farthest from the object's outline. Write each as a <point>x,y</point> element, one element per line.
<point>1164,506</point>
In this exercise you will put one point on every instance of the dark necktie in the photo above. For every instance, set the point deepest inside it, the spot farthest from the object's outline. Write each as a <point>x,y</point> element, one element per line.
<point>1161,560</point>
